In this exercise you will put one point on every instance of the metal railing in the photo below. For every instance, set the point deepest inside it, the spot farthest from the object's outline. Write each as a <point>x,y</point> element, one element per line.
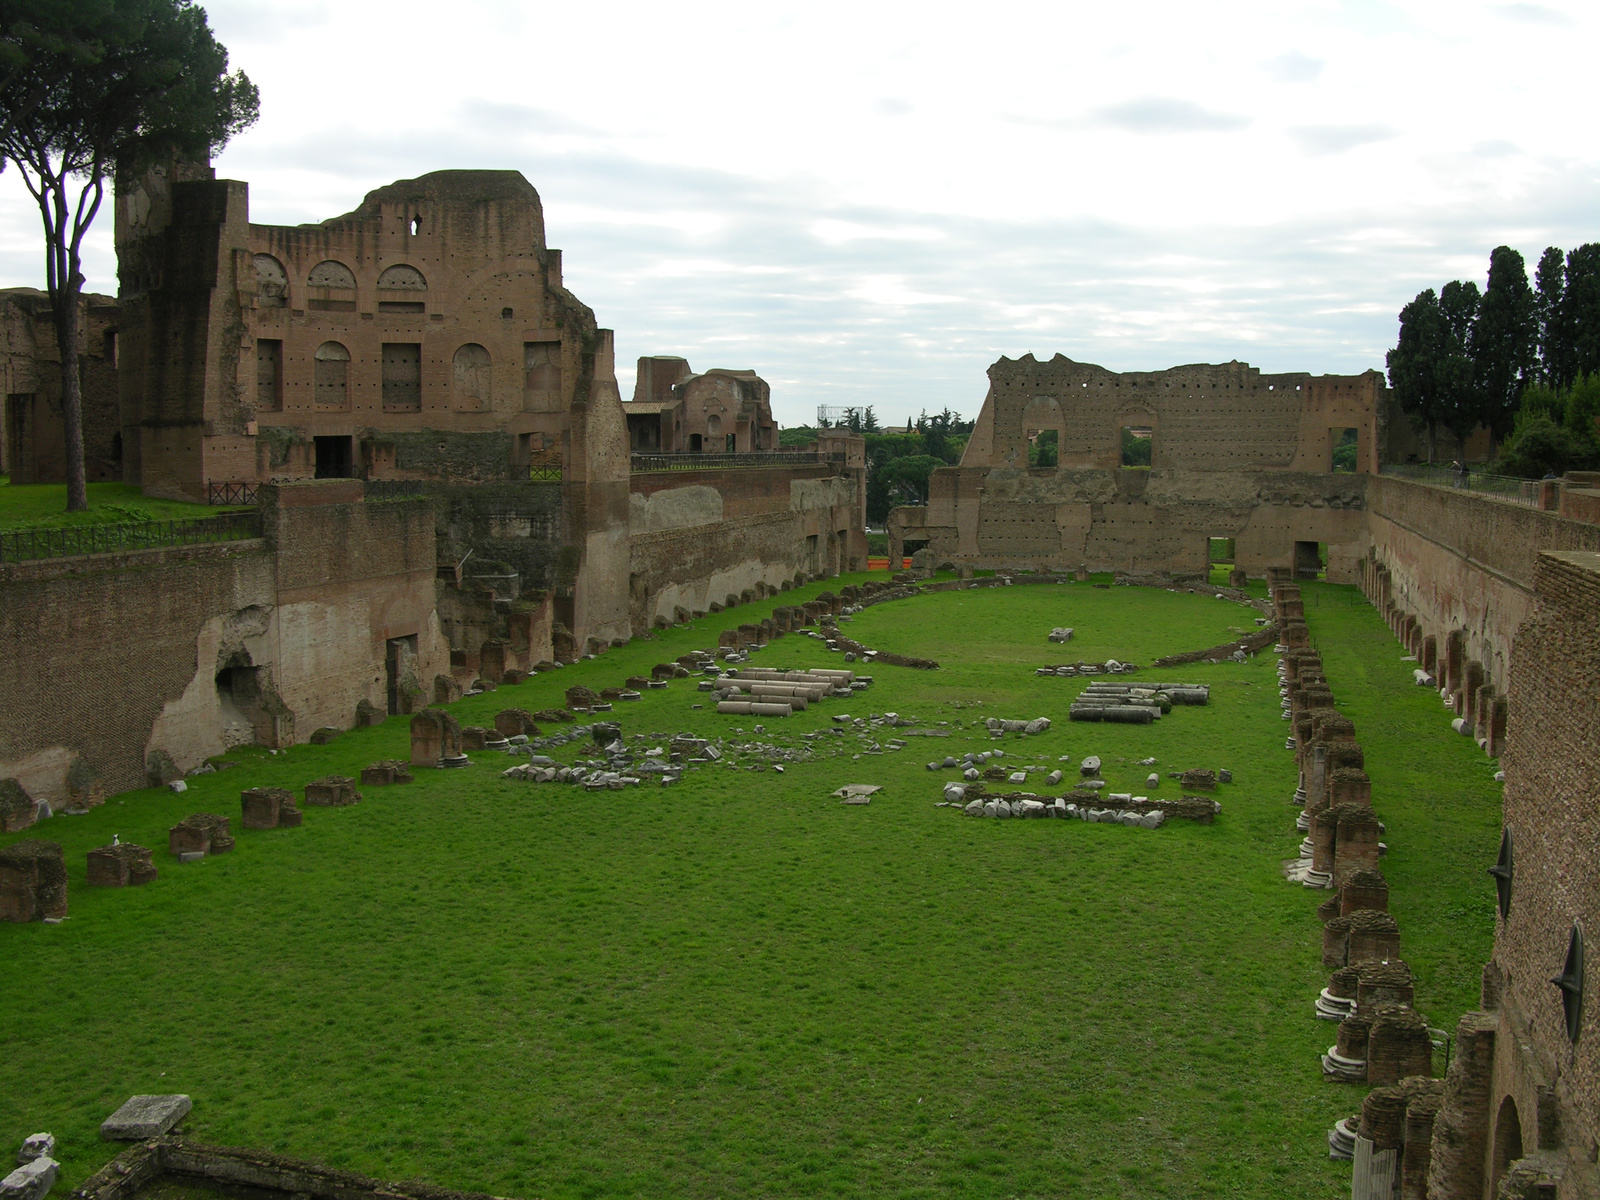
<point>20,545</point>
<point>545,473</point>
<point>230,493</point>
<point>759,458</point>
<point>1496,487</point>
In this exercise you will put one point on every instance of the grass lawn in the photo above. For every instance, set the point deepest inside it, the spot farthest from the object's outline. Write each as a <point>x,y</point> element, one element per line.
<point>42,505</point>
<point>737,986</point>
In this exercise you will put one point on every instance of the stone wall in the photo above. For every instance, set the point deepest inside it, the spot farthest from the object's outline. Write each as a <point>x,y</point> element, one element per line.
<point>696,537</point>
<point>32,438</point>
<point>1523,1098</point>
<point>1462,562</point>
<point>114,664</point>
<point>426,334</point>
<point>1233,453</point>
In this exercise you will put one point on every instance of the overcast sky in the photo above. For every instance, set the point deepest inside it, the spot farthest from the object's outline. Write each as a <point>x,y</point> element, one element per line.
<point>869,203</point>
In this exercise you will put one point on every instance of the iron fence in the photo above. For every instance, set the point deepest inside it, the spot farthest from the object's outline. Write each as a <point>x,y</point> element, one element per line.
<point>1496,487</point>
<point>545,474</point>
<point>20,545</point>
<point>221,493</point>
<point>762,458</point>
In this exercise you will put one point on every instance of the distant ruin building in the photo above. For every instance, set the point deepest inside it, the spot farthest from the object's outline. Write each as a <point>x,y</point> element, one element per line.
<point>1071,465</point>
<point>675,411</point>
<point>429,426</point>
<point>425,335</point>
<point>32,441</point>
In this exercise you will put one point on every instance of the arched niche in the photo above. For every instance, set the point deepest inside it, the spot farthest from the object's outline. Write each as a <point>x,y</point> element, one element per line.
<point>332,375</point>
<point>402,289</point>
<point>272,282</point>
<point>473,377</point>
<point>332,286</point>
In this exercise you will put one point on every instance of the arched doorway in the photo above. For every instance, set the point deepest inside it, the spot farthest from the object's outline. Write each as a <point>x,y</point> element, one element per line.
<point>1507,1142</point>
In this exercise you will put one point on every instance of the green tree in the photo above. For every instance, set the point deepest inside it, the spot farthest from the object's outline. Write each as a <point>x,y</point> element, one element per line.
<point>1503,343</point>
<point>906,478</point>
<point>96,89</point>
<point>1414,365</point>
<point>1135,449</point>
<point>1555,350</point>
<point>1581,311</point>
<point>1459,397</point>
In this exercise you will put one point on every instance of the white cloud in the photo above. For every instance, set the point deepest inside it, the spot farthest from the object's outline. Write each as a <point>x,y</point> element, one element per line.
<point>1336,139</point>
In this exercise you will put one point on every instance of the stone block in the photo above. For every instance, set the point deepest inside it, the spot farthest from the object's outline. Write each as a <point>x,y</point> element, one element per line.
<point>269,808</point>
<point>368,714</point>
<point>33,881</point>
<point>200,833</point>
<point>332,791</point>
<point>17,809</point>
<point>435,735</point>
<point>120,865</point>
<point>445,690</point>
<point>473,737</point>
<point>36,1145</point>
<point>31,1181</point>
<point>383,774</point>
<point>145,1117</point>
<point>1398,1046</point>
<point>326,734</point>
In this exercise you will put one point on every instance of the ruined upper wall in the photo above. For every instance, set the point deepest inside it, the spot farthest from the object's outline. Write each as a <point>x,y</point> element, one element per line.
<point>1224,417</point>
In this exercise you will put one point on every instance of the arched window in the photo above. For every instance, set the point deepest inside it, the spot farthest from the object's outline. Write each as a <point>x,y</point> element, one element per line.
<point>332,286</point>
<point>400,290</point>
<point>472,383</point>
<point>332,376</point>
<point>272,285</point>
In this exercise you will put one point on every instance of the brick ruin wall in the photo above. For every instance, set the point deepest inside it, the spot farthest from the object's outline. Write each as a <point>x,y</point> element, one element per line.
<point>1522,1097</point>
<point>1233,453</point>
<point>697,537</point>
<point>1457,562</point>
<point>306,613</point>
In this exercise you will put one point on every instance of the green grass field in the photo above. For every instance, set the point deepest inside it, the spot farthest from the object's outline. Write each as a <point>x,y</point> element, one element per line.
<point>44,505</point>
<point>737,986</point>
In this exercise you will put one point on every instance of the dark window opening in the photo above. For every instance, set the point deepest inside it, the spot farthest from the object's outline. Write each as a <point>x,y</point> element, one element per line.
<point>335,457</point>
<point>402,377</point>
<point>116,447</point>
<point>1346,449</point>
<point>731,443</point>
<point>505,314</point>
<point>269,374</point>
<point>1138,445</point>
<point>694,444</point>
<point>109,346</point>
<point>402,306</point>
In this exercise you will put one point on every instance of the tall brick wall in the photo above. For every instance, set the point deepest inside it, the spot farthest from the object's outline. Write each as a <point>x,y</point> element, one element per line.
<point>93,649</point>
<point>696,537</point>
<point>107,659</point>
<point>1461,562</point>
<point>1552,807</point>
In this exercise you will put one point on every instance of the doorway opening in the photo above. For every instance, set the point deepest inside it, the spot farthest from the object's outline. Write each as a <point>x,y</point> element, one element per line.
<point>1507,1142</point>
<point>1307,560</point>
<point>335,457</point>
<point>400,669</point>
